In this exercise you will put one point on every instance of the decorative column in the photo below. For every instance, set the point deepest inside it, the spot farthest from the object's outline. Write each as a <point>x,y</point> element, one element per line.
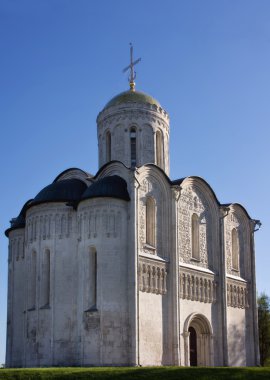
<point>174,278</point>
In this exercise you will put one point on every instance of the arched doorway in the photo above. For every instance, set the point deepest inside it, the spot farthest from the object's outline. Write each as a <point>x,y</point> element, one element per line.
<point>192,347</point>
<point>198,341</point>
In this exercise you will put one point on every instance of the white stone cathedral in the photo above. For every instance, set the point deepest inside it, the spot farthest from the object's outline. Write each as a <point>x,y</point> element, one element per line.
<point>129,267</point>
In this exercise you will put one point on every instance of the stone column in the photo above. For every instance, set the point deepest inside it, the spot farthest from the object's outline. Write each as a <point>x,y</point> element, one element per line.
<point>253,300</point>
<point>223,285</point>
<point>174,274</point>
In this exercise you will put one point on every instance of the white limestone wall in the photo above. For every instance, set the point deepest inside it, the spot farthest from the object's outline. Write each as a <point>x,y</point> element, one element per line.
<point>152,328</point>
<point>104,332</point>
<point>147,120</point>
<point>241,290</point>
<point>154,279</point>
<point>236,322</point>
<point>16,298</point>
<point>51,327</point>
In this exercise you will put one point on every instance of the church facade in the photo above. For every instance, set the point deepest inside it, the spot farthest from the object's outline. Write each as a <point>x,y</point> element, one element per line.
<point>128,267</point>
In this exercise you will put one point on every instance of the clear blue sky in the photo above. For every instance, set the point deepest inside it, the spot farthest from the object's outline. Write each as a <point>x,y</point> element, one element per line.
<point>207,62</point>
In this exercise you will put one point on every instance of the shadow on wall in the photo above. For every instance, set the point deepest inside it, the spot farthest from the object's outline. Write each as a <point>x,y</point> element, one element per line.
<point>236,345</point>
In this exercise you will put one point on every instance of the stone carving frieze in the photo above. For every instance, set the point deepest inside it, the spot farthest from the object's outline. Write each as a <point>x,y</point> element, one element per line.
<point>16,248</point>
<point>237,294</point>
<point>127,110</point>
<point>152,276</point>
<point>105,221</point>
<point>191,201</point>
<point>197,286</point>
<point>44,227</point>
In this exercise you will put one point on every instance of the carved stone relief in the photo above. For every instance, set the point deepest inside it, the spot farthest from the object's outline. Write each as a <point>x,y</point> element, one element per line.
<point>152,276</point>
<point>190,202</point>
<point>237,294</point>
<point>103,219</point>
<point>44,227</point>
<point>197,286</point>
<point>16,248</point>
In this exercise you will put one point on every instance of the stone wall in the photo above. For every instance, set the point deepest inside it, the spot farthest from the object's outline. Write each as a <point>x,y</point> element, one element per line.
<point>146,119</point>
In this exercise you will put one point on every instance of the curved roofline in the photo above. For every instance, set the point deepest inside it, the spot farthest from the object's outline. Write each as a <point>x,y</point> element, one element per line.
<point>159,168</point>
<point>218,202</point>
<point>70,169</point>
<point>207,184</point>
<point>240,206</point>
<point>107,164</point>
<point>60,200</point>
<point>111,186</point>
<point>21,214</point>
<point>129,96</point>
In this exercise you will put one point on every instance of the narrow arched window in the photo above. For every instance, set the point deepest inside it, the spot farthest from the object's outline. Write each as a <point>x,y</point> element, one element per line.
<point>91,279</point>
<point>195,237</point>
<point>159,149</point>
<point>150,221</point>
<point>108,146</point>
<point>133,153</point>
<point>33,282</point>
<point>235,250</point>
<point>46,278</point>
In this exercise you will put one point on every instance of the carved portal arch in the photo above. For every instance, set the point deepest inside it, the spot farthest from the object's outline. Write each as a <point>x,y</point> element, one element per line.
<point>198,340</point>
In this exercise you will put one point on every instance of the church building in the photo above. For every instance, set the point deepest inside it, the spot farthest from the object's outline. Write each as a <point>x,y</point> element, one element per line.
<point>128,267</point>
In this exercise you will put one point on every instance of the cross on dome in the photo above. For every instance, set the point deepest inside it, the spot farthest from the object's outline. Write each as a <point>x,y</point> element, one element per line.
<point>130,67</point>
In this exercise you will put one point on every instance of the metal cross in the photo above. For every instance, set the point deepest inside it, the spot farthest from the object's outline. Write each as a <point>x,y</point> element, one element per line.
<point>130,67</point>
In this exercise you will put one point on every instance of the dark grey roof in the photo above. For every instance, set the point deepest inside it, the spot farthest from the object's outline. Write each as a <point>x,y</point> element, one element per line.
<point>112,186</point>
<point>177,181</point>
<point>66,190</point>
<point>18,222</point>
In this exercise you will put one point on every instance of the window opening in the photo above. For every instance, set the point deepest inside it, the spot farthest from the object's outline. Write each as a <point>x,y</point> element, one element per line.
<point>235,250</point>
<point>195,237</point>
<point>133,152</point>
<point>150,222</point>
<point>159,149</point>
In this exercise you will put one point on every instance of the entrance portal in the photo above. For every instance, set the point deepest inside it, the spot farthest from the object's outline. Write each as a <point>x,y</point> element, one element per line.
<point>198,341</point>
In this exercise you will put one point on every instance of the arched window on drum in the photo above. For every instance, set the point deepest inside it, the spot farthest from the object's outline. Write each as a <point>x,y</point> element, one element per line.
<point>159,149</point>
<point>133,147</point>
